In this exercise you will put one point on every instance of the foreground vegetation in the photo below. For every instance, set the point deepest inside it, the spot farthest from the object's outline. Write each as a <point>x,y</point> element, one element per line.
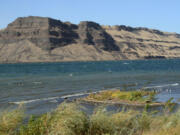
<point>141,96</point>
<point>69,119</point>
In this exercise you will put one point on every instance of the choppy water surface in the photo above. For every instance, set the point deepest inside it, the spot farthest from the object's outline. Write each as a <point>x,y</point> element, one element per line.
<point>42,86</point>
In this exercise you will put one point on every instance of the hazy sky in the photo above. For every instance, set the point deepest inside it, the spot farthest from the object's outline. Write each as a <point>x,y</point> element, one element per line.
<point>158,14</point>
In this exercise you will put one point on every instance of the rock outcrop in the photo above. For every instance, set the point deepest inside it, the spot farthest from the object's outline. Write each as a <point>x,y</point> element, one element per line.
<point>41,39</point>
<point>48,33</point>
<point>45,33</point>
<point>140,43</point>
<point>93,34</point>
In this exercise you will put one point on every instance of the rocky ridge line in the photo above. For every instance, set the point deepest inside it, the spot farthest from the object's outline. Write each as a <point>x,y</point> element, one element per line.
<point>42,39</point>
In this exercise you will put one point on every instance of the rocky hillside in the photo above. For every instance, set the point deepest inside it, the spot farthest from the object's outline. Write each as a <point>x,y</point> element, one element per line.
<point>39,39</point>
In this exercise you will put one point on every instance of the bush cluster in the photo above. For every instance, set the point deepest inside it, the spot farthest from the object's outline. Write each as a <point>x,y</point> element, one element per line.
<point>69,119</point>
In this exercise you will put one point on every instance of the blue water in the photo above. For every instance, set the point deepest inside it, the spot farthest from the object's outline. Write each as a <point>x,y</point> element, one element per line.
<point>42,86</point>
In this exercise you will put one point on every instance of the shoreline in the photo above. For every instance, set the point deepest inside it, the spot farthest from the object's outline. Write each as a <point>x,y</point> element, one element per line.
<point>121,103</point>
<point>71,61</point>
<point>135,98</point>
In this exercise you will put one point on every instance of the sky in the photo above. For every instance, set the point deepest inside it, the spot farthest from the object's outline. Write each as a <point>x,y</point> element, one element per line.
<point>157,14</point>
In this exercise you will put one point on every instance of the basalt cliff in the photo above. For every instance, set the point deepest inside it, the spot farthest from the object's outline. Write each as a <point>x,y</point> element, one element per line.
<point>40,39</point>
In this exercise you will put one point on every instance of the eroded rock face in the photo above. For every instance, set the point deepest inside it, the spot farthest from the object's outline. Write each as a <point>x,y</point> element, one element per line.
<point>131,29</point>
<point>49,33</point>
<point>34,29</point>
<point>93,34</point>
<point>41,39</point>
<point>46,33</point>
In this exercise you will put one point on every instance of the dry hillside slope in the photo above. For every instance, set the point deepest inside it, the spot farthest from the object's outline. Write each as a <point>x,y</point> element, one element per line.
<point>40,39</point>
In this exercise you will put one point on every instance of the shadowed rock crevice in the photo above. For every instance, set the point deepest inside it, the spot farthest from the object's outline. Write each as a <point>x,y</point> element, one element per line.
<point>93,34</point>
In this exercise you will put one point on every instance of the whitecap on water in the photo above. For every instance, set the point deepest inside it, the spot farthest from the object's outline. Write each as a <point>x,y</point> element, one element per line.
<point>109,71</point>
<point>50,99</point>
<point>74,95</point>
<point>33,100</point>
<point>165,85</point>
<point>37,83</point>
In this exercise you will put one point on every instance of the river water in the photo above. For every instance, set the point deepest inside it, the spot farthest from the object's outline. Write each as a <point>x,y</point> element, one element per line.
<point>43,86</point>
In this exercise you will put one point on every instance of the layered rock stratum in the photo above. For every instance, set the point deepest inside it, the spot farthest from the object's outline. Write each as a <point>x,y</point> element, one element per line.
<point>41,39</point>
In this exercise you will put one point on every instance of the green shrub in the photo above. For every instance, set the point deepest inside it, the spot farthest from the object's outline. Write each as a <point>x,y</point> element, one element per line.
<point>36,125</point>
<point>132,96</point>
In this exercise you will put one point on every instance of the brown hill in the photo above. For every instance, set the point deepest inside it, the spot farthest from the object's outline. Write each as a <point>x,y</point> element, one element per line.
<point>39,39</point>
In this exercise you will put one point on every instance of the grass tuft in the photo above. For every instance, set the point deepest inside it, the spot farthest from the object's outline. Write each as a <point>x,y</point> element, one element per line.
<point>69,119</point>
<point>130,96</point>
<point>10,121</point>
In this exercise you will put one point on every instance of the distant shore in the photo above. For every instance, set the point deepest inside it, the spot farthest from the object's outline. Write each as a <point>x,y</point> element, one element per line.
<point>61,61</point>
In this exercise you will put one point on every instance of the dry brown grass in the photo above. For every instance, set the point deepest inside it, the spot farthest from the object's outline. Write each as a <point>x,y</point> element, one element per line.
<point>10,121</point>
<point>69,119</point>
